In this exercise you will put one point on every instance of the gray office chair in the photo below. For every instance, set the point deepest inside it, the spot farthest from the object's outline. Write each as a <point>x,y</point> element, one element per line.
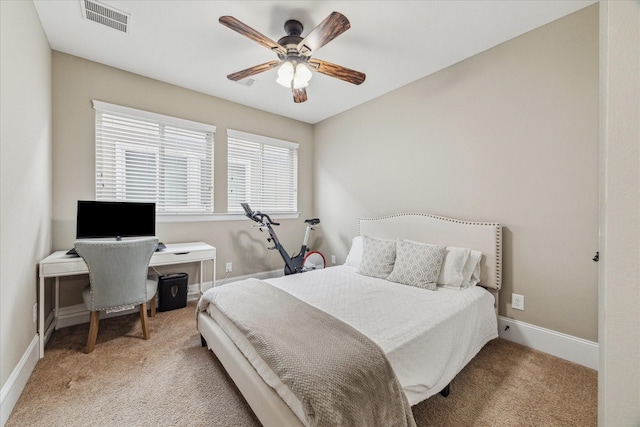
<point>117,278</point>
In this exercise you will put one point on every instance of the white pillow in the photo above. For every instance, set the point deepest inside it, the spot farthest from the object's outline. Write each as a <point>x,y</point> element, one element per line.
<point>452,271</point>
<point>472,269</point>
<point>378,257</point>
<point>417,264</point>
<point>354,257</point>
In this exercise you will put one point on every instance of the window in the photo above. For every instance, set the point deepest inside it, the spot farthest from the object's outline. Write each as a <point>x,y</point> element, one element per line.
<point>142,156</point>
<point>263,172</point>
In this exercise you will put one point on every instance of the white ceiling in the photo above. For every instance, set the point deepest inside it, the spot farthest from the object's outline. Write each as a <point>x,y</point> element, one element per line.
<point>393,42</point>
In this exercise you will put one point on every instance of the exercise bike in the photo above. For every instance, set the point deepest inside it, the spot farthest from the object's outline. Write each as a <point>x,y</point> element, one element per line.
<point>304,260</point>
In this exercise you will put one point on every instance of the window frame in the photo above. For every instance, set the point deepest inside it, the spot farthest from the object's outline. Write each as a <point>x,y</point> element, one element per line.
<point>262,141</point>
<point>164,121</point>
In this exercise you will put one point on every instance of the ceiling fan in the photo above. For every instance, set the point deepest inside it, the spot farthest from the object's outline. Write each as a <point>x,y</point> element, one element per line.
<point>294,53</point>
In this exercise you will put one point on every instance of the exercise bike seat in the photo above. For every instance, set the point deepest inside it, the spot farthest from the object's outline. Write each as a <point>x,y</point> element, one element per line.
<point>312,221</point>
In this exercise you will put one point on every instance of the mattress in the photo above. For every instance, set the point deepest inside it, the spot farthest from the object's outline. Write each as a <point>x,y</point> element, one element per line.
<point>428,336</point>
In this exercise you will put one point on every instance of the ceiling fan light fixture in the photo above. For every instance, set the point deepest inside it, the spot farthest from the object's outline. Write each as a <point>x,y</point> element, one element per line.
<point>302,76</point>
<point>293,75</point>
<point>285,74</point>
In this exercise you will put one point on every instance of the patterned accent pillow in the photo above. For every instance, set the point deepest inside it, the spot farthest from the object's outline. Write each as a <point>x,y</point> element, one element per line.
<point>417,264</point>
<point>378,256</point>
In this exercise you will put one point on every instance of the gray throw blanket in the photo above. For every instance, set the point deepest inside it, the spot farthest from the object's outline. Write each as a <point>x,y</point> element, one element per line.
<point>340,376</point>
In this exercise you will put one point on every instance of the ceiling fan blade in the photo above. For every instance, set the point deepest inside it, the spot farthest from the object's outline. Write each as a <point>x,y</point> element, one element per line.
<point>247,31</point>
<point>299,95</point>
<point>239,75</point>
<point>332,26</point>
<point>337,71</point>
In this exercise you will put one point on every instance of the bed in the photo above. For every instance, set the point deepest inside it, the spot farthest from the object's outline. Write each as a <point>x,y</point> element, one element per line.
<point>427,336</point>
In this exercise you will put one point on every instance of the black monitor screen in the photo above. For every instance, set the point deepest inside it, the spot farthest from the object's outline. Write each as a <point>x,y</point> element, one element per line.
<point>97,219</point>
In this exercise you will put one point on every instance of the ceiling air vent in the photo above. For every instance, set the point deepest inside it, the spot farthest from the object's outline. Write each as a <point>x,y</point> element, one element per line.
<point>105,15</point>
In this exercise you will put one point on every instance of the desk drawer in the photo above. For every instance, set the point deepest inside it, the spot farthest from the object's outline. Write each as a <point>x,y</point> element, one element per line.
<point>163,258</point>
<point>66,268</point>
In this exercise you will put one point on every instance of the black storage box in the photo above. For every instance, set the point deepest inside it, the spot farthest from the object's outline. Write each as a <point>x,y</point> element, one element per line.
<point>172,291</point>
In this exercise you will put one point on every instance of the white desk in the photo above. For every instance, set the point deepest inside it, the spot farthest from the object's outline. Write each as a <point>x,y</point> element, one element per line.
<point>60,264</point>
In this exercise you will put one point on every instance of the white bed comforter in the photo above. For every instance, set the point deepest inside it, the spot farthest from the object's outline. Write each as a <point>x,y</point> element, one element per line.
<point>428,336</point>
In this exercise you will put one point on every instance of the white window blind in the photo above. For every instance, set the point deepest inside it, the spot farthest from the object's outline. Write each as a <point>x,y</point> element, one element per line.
<point>263,172</point>
<point>143,156</point>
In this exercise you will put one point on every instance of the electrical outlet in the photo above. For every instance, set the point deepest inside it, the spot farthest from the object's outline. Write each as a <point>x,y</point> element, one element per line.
<point>35,312</point>
<point>228,267</point>
<point>517,301</point>
<point>333,259</point>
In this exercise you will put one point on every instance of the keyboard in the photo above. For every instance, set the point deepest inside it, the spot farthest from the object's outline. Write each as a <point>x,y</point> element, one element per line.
<point>73,252</point>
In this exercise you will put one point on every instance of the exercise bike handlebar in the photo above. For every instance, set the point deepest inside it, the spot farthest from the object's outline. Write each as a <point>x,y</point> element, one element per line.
<point>257,216</point>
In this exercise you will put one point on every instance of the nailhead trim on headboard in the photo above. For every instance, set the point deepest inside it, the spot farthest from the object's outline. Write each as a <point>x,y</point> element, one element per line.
<point>498,231</point>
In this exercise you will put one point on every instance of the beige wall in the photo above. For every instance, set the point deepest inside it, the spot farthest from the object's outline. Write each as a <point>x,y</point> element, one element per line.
<point>506,86</point>
<point>495,87</point>
<point>510,135</point>
<point>619,370</point>
<point>25,176</point>
<point>77,81</point>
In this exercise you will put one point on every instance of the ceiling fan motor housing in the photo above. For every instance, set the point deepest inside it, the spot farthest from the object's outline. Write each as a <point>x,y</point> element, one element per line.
<point>293,29</point>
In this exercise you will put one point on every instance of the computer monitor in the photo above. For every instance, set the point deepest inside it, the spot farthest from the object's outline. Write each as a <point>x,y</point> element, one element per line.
<point>100,219</point>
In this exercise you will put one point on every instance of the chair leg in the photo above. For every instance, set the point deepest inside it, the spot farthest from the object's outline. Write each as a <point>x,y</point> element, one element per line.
<point>93,331</point>
<point>152,303</point>
<point>143,320</point>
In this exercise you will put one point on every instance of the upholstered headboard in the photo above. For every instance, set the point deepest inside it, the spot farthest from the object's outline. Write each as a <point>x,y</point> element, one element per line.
<point>438,230</point>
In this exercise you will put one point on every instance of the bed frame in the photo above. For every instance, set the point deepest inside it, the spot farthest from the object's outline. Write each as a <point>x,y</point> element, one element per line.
<point>485,237</point>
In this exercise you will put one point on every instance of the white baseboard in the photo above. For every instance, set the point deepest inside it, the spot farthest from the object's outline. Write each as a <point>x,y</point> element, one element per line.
<point>567,347</point>
<point>193,291</point>
<point>77,314</point>
<point>16,382</point>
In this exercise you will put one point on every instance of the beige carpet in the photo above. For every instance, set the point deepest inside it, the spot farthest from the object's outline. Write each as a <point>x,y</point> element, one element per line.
<point>171,380</point>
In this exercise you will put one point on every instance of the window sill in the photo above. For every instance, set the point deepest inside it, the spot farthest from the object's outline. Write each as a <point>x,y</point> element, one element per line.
<point>167,218</point>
